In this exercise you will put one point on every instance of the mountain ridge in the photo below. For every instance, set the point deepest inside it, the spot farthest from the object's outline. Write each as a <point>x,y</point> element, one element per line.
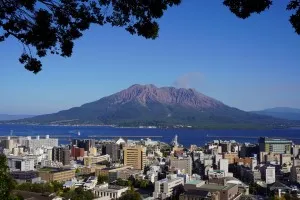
<point>151,105</point>
<point>4,117</point>
<point>281,112</point>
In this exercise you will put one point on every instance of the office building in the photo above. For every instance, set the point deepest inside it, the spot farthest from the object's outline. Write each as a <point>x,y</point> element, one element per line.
<point>8,143</point>
<point>274,145</point>
<point>183,164</point>
<point>296,151</point>
<point>56,174</point>
<point>34,143</point>
<point>61,154</point>
<point>113,150</point>
<point>135,157</point>
<point>253,164</point>
<point>77,152</point>
<point>295,174</point>
<point>18,163</point>
<point>285,159</point>
<point>86,144</point>
<point>270,175</point>
<point>224,166</point>
<point>247,150</point>
<point>230,157</point>
<point>163,189</point>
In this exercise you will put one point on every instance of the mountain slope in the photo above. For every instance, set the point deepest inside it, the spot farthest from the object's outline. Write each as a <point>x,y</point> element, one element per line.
<point>281,112</point>
<point>13,117</point>
<point>149,105</point>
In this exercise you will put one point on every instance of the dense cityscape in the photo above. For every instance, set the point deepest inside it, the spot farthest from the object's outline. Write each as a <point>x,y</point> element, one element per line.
<point>147,169</point>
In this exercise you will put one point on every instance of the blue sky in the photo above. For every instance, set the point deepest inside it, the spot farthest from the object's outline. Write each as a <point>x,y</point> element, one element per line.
<point>249,64</point>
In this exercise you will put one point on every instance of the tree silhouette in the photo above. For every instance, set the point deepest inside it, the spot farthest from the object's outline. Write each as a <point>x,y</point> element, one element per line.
<point>6,182</point>
<point>244,8</point>
<point>50,26</point>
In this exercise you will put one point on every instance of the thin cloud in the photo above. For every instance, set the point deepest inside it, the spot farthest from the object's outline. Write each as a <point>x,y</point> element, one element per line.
<point>189,80</point>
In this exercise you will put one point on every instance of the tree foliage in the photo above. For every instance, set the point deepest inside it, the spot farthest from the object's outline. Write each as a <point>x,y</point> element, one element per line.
<point>102,179</point>
<point>245,8</point>
<point>131,195</point>
<point>41,187</point>
<point>6,182</point>
<point>51,26</point>
<point>78,194</point>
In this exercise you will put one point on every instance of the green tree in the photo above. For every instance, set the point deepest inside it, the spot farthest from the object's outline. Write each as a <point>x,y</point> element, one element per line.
<point>6,182</point>
<point>144,183</point>
<point>50,26</point>
<point>102,179</point>
<point>78,194</point>
<point>131,195</point>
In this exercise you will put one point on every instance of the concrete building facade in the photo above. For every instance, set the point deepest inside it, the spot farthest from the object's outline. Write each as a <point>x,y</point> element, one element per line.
<point>135,157</point>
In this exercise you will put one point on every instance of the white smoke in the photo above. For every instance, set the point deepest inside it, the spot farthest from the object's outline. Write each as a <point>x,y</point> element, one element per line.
<point>189,80</point>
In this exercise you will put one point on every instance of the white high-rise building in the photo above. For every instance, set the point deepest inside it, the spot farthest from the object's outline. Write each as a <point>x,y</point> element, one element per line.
<point>224,165</point>
<point>40,142</point>
<point>253,164</point>
<point>17,163</point>
<point>218,157</point>
<point>270,175</point>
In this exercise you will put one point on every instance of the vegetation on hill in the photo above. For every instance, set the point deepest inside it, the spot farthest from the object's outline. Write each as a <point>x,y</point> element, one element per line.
<point>147,105</point>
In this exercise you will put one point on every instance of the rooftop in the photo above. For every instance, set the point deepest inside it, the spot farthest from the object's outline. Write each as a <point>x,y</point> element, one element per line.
<point>216,187</point>
<point>194,182</point>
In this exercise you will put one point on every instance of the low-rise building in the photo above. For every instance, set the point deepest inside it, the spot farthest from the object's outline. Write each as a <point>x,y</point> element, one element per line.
<point>111,191</point>
<point>20,163</point>
<point>25,176</point>
<point>56,174</point>
<point>212,191</point>
<point>90,160</point>
<point>164,188</point>
<point>213,174</point>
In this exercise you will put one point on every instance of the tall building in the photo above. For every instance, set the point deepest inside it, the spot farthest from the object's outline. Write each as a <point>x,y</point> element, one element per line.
<point>270,175</point>
<point>77,152</point>
<point>135,157</point>
<point>295,174</point>
<point>247,150</point>
<point>274,145</point>
<point>296,150</point>
<point>223,165</point>
<point>183,164</point>
<point>113,150</point>
<point>253,164</point>
<point>86,144</point>
<point>61,154</point>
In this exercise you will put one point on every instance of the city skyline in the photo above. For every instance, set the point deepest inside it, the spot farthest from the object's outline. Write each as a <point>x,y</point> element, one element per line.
<point>249,64</point>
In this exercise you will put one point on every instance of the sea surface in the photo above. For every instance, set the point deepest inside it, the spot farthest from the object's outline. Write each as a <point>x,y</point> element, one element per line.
<point>186,137</point>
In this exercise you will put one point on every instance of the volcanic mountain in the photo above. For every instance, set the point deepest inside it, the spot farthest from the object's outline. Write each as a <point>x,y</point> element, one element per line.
<point>150,105</point>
